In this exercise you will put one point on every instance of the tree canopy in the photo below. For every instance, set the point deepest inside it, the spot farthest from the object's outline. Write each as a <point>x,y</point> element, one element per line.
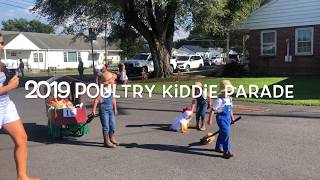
<point>155,20</point>
<point>24,25</point>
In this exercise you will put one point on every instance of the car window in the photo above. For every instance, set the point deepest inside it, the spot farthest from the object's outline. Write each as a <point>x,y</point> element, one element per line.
<point>233,56</point>
<point>182,58</point>
<point>196,58</point>
<point>141,57</point>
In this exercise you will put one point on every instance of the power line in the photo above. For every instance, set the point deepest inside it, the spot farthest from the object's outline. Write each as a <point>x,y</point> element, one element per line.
<point>30,2</point>
<point>20,1</point>
<point>16,6</point>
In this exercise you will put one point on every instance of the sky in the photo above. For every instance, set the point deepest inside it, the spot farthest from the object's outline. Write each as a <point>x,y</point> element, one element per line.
<point>11,9</point>
<point>17,9</point>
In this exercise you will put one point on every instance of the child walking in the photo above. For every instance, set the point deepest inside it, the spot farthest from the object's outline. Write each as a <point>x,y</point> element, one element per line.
<point>224,117</point>
<point>122,74</point>
<point>202,103</point>
<point>107,111</point>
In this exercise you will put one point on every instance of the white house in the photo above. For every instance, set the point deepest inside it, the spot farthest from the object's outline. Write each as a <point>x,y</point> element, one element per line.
<point>42,51</point>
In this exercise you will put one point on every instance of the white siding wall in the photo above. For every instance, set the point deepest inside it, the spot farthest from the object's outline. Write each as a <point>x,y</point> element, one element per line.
<point>285,13</point>
<point>53,59</point>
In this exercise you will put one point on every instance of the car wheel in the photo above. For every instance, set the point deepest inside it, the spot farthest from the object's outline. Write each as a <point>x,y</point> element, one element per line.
<point>188,68</point>
<point>171,69</point>
<point>200,66</point>
<point>144,70</point>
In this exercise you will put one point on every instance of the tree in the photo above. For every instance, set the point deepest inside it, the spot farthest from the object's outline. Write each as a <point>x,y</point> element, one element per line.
<point>155,20</point>
<point>131,42</point>
<point>24,25</point>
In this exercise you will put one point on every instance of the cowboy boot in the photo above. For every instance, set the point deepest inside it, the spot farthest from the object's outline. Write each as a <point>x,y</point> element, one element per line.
<point>106,142</point>
<point>228,155</point>
<point>113,140</point>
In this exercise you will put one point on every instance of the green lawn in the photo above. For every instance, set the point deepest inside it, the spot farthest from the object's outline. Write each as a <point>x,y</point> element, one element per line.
<point>306,88</point>
<point>69,72</point>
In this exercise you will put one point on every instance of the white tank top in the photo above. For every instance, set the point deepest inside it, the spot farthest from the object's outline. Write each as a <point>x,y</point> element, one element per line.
<point>4,98</point>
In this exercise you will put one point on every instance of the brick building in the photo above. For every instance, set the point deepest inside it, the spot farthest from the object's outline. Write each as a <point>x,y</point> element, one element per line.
<point>285,38</point>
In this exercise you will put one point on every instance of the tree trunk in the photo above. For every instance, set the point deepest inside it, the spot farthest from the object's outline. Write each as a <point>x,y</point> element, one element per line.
<point>161,59</point>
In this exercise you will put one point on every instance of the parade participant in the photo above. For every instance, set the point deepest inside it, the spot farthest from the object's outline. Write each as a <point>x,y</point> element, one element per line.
<point>107,111</point>
<point>122,74</point>
<point>102,73</point>
<point>224,117</point>
<point>202,103</point>
<point>180,124</point>
<point>11,122</point>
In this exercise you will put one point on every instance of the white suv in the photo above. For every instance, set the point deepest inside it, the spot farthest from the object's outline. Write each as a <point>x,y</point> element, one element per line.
<point>143,63</point>
<point>189,62</point>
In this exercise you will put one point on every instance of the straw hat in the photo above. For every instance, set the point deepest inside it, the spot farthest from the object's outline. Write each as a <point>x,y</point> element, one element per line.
<point>108,76</point>
<point>223,85</point>
<point>198,84</point>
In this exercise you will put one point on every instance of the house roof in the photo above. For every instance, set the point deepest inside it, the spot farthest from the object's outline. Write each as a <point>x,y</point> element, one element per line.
<point>179,51</point>
<point>284,13</point>
<point>194,48</point>
<point>54,41</point>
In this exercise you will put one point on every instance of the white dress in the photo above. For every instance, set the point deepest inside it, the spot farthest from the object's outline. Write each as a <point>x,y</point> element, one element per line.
<point>180,121</point>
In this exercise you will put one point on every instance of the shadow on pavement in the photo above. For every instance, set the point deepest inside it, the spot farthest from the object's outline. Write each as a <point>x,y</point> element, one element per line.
<point>39,133</point>
<point>163,127</point>
<point>173,148</point>
<point>283,114</point>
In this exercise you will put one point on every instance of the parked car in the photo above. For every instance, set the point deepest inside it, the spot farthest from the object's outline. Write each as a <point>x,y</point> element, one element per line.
<point>186,63</point>
<point>213,61</point>
<point>143,63</point>
<point>173,63</point>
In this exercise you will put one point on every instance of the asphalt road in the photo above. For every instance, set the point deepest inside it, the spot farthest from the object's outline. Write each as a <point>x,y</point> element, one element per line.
<point>271,142</point>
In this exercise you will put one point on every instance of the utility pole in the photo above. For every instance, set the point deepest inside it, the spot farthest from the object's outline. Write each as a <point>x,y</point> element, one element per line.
<point>92,36</point>
<point>105,43</point>
<point>228,46</point>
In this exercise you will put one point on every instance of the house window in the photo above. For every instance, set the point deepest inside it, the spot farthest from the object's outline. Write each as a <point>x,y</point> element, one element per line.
<point>13,54</point>
<point>304,41</point>
<point>268,43</point>
<point>38,57</point>
<point>65,57</point>
<point>35,57</point>
<point>70,56</point>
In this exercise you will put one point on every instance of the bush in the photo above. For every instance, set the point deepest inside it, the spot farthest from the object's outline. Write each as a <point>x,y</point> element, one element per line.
<point>234,69</point>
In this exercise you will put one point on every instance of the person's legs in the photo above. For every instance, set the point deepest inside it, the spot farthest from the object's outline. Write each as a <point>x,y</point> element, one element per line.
<point>202,115</point>
<point>198,116</point>
<point>16,131</point>
<point>112,127</point>
<point>81,75</point>
<point>104,118</point>
<point>219,143</point>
